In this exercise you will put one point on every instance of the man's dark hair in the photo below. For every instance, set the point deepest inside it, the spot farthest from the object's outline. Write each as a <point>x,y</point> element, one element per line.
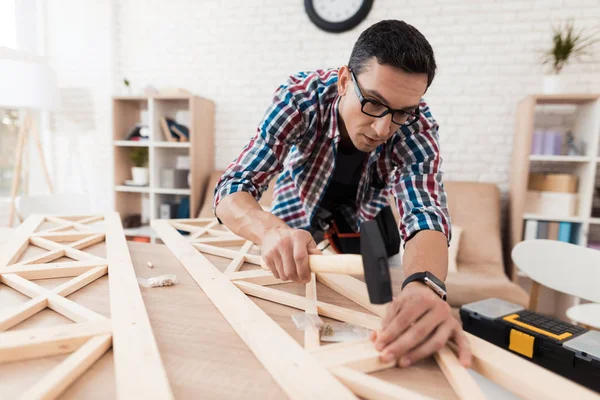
<point>394,43</point>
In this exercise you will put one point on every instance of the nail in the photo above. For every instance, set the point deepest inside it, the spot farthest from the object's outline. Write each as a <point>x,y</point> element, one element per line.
<point>404,362</point>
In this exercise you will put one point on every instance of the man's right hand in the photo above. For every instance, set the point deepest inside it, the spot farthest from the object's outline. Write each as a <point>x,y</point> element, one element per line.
<point>285,251</point>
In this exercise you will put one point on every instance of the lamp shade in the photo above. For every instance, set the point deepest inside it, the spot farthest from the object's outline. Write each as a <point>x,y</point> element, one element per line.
<point>27,84</point>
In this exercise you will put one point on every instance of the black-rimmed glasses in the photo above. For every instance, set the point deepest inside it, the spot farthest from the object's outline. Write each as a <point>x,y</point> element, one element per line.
<point>375,109</point>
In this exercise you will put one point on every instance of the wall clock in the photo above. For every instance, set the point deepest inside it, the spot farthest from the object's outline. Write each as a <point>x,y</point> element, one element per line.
<point>337,15</point>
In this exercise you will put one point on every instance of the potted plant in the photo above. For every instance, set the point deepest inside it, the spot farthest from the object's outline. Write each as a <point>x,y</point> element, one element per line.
<point>566,45</point>
<point>139,172</point>
<point>127,86</point>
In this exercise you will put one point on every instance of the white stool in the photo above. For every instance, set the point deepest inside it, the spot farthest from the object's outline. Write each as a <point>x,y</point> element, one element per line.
<point>586,314</point>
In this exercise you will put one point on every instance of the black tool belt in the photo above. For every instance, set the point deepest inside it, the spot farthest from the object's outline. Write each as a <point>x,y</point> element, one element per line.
<point>333,227</point>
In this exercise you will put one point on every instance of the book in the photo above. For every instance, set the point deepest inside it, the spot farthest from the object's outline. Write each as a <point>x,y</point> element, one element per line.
<point>182,131</point>
<point>166,130</point>
<point>553,230</point>
<point>183,210</point>
<point>173,131</point>
<point>564,232</point>
<point>542,231</point>
<point>531,226</point>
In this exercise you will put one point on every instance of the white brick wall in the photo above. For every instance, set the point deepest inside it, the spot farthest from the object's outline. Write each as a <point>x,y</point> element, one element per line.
<point>237,52</point>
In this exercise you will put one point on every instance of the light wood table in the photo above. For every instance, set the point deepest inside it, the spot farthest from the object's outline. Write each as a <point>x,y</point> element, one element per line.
<point>203,356</point>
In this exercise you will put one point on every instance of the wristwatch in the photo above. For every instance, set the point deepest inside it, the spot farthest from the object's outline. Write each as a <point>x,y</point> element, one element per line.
<point>430,280</point>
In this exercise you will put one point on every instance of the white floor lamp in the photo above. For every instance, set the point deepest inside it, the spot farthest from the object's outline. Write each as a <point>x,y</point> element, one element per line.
<point>29,86</point>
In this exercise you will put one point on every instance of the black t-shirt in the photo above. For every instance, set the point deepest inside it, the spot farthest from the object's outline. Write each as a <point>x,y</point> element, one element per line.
<point>343,188</point>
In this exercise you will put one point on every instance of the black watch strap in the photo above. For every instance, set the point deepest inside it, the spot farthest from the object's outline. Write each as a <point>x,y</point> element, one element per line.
<point>430,280</point>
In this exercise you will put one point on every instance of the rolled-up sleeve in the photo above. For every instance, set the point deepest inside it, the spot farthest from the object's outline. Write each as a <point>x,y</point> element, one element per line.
<point>262,158</point>
<point>417,179</point>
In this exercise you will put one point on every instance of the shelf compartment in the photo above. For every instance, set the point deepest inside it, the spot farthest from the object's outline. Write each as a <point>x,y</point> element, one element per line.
<point>183,145</point>
<point>540,217</point>
<point>131,143</point>
<point>132,189</point>
<point>560,159</point>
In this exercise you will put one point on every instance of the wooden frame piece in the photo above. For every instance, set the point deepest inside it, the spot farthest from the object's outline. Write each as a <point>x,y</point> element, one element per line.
<point>522,377</point>
<point>348,362</point>
<point>312,334</point>
<point>298,374</point>
<point>252,282</point>
<point>138,368</point>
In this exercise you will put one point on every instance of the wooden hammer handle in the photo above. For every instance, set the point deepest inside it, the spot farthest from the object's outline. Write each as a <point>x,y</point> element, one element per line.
<point>349,264</point>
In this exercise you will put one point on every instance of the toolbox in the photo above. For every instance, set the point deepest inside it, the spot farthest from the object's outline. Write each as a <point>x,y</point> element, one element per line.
<point>561,347</point>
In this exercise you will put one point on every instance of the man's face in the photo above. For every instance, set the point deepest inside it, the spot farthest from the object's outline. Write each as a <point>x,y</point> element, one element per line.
<point>384,84</point>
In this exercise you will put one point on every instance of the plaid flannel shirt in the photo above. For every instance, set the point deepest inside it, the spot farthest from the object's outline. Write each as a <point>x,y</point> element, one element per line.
<point>298,138</point>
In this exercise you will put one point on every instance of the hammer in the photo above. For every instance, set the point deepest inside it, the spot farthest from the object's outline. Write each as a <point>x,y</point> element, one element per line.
<point>379,240</point>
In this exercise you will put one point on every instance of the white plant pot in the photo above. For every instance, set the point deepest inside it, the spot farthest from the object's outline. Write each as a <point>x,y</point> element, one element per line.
<point>553,84</point>
<point>140,175</point>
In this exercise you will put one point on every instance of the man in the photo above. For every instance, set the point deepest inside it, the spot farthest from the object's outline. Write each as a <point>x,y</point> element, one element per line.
<point>341,139</point>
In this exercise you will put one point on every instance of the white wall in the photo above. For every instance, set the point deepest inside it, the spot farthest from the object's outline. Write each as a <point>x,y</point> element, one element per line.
<point>237,52</point>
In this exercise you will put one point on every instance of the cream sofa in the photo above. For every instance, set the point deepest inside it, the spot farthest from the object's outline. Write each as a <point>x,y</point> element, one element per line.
<point>480,267</point>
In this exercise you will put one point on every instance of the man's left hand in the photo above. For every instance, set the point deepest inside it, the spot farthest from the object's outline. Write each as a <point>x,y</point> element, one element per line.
<point>417,324</point>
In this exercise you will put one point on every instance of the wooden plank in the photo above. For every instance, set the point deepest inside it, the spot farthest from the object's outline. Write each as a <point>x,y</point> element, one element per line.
<point>77,283</point>
<point>197,231</point>
<point>312,338</point>
<point>61,237</point>
<point>18,314</point>
<point>257,276</point>
<point>522,377</point>
<point>43,258</point>
<point>461,381</point>
<point>53,270</point>
<point>196,234</point>
<point>13,248</point>
<point>327,310</point>
<point>87,241</point>
<point>43,342</point>
<point>71,252</point>
<point>359,355</point>
<point>297,373</point>
<point>226,253</point>
<point>222,241</point>
<point>80,225</point>
<point>371,388</point>
<point>356,290</point>
<point>57,380</point>
<point>237,261</point>
<point>353,289</point>
<point>68,308</point>
<point>139,371</point>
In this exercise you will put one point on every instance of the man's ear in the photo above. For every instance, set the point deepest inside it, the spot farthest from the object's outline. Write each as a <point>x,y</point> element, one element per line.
<point>343,80</point>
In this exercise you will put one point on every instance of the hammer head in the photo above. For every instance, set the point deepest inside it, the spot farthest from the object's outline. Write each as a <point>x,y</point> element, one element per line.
<point>379,240</point>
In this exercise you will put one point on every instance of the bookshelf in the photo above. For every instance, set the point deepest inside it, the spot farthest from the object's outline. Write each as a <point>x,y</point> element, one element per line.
<point>584,110</point>
<point>192,111</point>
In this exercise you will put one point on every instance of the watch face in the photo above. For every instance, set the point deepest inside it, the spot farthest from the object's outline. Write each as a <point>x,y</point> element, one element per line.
<point>336,10</point>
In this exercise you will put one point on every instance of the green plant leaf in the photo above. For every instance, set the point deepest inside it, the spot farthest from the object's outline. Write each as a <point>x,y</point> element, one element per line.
<point>139,156</point>
<point>567,44</point>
